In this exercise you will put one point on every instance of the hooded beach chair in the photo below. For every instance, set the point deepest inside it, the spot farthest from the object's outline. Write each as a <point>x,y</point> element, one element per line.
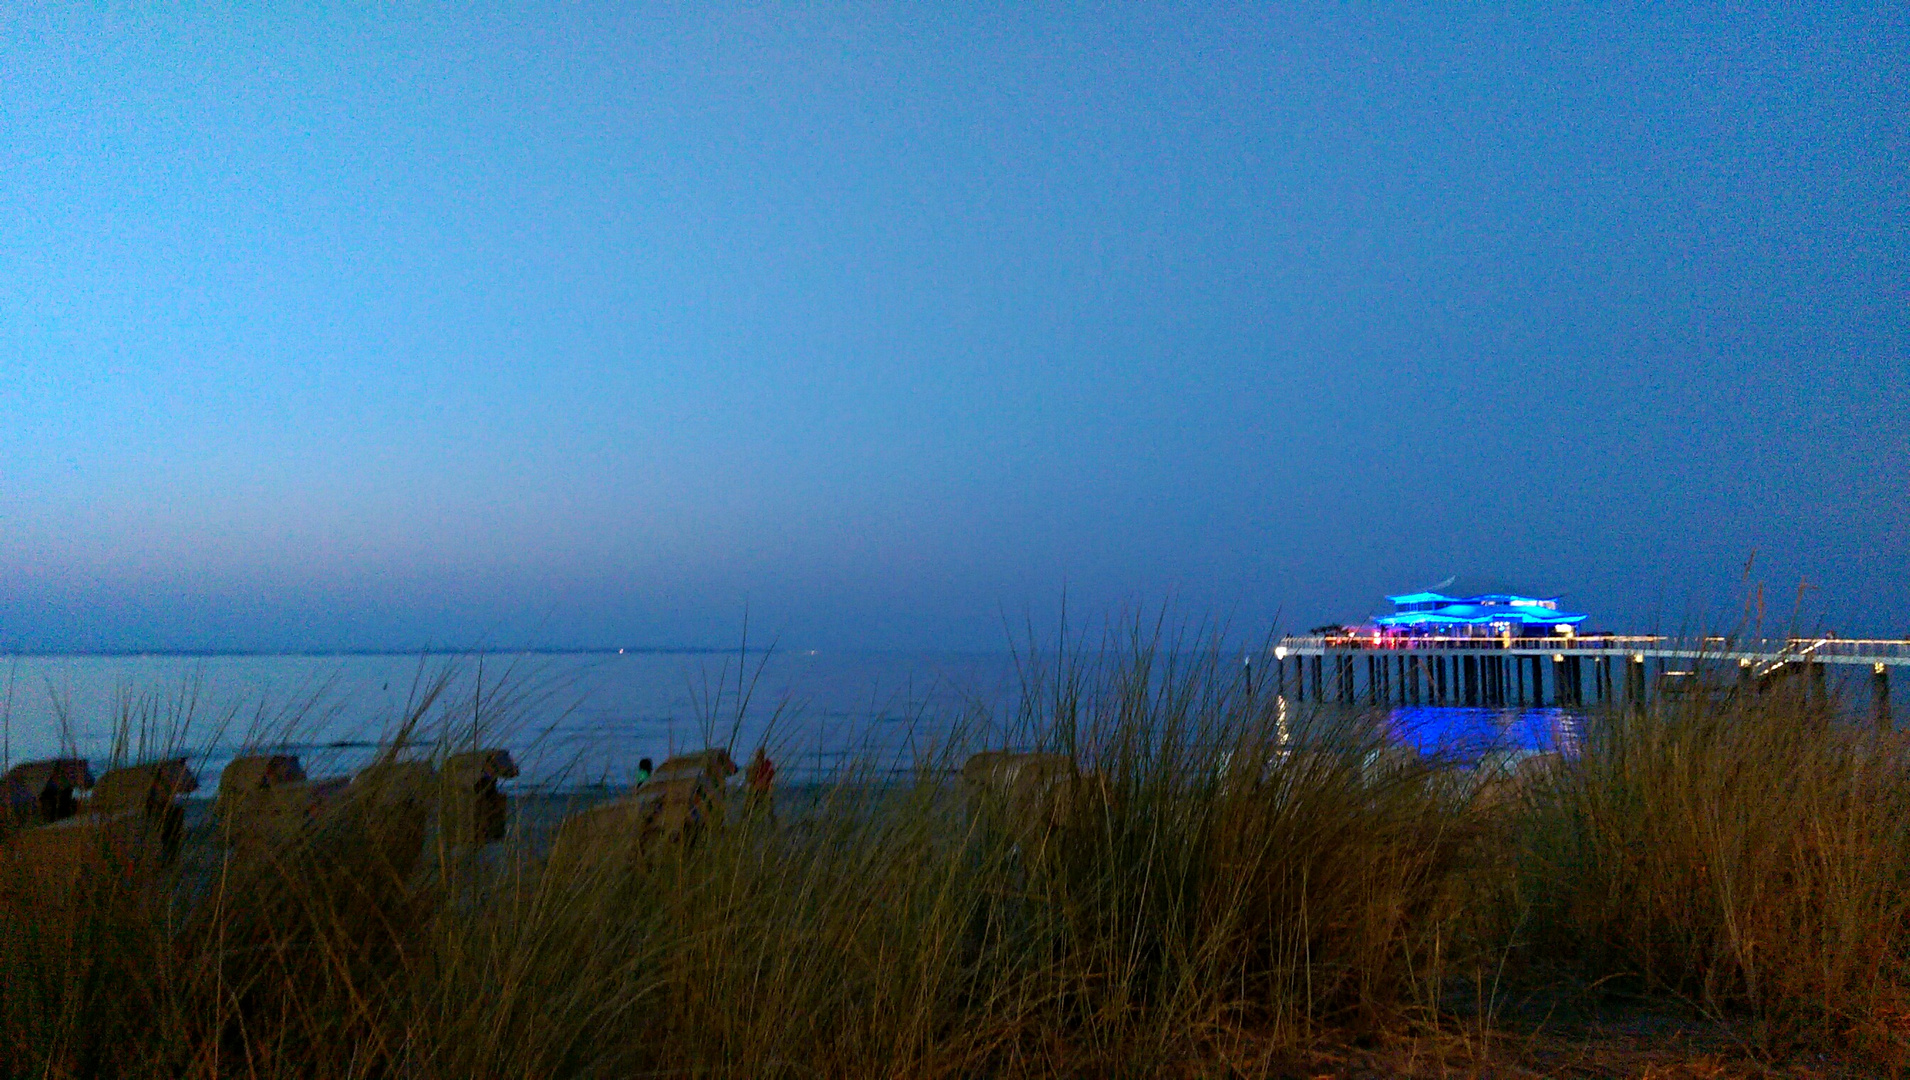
<point>473,810</point>
<point>267,799</point>
<point>714,765</point>
<point>1029,797</point>
<point>41,792</point>
<point>147,796</point>
<point>129,828</point>
<point>681,798</point>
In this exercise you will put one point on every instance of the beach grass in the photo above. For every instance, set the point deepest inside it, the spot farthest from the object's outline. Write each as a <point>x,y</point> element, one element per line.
<point>1234,886</point>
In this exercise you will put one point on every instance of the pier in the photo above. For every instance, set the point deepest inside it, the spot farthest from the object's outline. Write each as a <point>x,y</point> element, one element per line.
<point>1571,670</point>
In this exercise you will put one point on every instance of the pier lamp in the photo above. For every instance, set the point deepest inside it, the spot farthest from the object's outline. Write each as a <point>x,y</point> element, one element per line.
<point>1280,652</point>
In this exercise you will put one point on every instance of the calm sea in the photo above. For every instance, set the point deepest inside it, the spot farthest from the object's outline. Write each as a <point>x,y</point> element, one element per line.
<point>572,719</point>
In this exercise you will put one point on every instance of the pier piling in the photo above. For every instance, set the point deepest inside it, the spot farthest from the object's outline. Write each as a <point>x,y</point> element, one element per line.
<point>1880,696</point>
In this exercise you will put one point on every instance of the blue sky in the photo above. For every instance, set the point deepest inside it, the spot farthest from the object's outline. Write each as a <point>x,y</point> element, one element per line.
<point>598,325</point>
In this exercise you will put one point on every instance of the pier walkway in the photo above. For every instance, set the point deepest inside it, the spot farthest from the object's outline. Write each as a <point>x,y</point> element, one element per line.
<point>1508,670</point>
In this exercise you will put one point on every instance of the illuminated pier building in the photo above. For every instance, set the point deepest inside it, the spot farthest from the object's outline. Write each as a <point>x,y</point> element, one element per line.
<point>1487,615</point>
<point>1498,649</point>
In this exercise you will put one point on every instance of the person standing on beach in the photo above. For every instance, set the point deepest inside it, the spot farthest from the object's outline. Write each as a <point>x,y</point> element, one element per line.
<point>644,768</point>
<point>760,778</point>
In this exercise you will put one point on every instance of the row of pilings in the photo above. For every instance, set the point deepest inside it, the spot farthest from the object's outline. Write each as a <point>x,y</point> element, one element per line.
<point>1452,678</point>
<point>1491,679</point>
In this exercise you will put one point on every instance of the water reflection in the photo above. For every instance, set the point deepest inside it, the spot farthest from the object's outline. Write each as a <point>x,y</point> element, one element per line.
<point>1471,733</point>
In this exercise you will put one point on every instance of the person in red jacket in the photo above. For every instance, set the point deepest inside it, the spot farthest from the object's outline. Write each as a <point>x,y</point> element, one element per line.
<point>759,780</point>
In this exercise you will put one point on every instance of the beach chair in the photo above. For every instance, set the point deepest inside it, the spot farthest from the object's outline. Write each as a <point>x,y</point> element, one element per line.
<point>1027,796</point>
<point>604,839</point>
<point>147,796</point>
<point>676,810</point>
<point>39,875</point>
<point>41,792</point>
<point>266,800</point>
<point>473,810</point>
<point>1030,785</point>
<point>681,798</point>
<point>684,796</point>
<point>117,841</point>
<point>713,765</point>
<point>622,834</point>
<point>153,787</point>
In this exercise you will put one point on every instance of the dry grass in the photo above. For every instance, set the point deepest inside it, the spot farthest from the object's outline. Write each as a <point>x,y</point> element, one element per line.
<point>1242,890</point>
<point>1747,854</point>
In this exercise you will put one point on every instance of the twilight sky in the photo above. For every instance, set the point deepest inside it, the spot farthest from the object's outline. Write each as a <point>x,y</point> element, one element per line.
<point>594,325</point>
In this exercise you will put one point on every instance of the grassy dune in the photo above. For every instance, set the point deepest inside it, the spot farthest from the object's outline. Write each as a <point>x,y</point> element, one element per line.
<point>1240,888</point>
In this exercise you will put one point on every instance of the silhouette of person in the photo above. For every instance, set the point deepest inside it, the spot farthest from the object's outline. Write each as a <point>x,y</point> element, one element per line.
<point>760,780</point>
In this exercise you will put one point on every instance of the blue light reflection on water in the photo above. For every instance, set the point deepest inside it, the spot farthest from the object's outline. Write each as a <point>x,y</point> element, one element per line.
<point>1470,733</point>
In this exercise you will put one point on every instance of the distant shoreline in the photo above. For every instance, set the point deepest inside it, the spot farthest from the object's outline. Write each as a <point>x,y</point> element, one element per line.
<point>659,650</point>
<point>540,650</point>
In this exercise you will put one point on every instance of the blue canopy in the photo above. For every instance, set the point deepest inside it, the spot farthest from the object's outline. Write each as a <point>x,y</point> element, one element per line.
<point>1432,610</point>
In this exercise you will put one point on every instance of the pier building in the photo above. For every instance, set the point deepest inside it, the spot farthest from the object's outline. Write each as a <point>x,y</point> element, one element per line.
<point>1505,650</point>
<point>1485,615</point>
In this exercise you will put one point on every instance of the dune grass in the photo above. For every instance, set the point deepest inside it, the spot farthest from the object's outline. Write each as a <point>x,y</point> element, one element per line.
<point>1748,854</point>
<point>1237,881</point>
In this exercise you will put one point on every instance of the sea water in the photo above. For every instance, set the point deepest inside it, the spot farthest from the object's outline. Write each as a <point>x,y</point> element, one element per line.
<point>580,720</point>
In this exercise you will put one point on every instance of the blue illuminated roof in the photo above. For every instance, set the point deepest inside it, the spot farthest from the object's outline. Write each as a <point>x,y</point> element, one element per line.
<point>1422,598</point>
<point>1431,609</point>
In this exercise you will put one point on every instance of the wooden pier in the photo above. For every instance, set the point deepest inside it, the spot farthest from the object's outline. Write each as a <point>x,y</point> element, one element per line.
<point>1569,670</point>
